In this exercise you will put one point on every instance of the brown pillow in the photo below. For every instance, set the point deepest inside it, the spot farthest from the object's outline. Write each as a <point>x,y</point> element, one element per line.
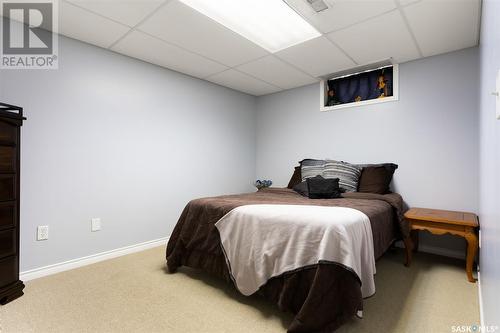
<point>296,177</point>
<point>375,179</point>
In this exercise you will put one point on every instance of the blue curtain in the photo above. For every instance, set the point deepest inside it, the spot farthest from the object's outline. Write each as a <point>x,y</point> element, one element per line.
<point>363,85</point>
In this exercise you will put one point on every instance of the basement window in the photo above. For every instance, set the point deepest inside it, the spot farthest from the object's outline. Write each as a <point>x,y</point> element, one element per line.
<point>365,85</point>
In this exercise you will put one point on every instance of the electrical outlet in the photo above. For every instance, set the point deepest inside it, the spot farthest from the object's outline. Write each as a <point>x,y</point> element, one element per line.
<point>42,232</point>
<point>96,224</point>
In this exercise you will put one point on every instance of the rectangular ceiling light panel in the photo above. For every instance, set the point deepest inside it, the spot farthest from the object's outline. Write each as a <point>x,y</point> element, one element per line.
<point>272,24</point>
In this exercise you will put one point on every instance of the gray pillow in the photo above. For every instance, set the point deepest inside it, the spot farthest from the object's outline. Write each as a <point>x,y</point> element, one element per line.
<point>311,168</point>
<point>348,174</point>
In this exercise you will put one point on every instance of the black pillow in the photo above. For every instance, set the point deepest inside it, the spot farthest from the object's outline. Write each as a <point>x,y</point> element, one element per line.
<point>321,188</point>
<point>302,189</point>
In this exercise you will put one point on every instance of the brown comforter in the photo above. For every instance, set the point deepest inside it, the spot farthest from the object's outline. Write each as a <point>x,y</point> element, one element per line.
<point>322,296</point>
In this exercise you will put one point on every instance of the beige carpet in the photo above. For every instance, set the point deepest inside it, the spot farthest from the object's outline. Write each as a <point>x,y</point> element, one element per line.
<point>134,294</point>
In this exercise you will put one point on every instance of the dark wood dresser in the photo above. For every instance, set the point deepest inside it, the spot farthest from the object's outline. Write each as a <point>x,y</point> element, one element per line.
<point>11,120</point>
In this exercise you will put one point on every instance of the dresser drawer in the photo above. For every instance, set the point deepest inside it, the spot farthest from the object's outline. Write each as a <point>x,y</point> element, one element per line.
<point>7,187</point>
<point>8,212</point>
<point>7,243</point>
<point>9,269</point>
<point>8,133</point>
<point>7,159</point>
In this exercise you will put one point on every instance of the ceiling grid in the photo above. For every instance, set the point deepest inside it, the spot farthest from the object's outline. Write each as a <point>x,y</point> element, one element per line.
<point>170,34</point>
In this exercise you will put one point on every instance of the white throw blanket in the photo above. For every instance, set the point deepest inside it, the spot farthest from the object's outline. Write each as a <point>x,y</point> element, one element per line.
<point>264,241</point>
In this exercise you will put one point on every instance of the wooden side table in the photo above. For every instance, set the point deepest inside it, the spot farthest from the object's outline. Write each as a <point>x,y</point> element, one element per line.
<point>440,222</point>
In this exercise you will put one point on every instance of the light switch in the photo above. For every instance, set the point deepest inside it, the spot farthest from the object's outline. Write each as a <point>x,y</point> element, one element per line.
<point>42,232</point>
<point>96,224</point>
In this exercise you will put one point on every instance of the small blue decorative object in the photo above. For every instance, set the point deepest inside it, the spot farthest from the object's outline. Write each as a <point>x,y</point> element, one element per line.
<point>263,183</point>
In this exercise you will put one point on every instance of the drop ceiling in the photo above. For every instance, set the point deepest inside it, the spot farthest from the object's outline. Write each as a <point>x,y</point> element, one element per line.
<point>170,34</point>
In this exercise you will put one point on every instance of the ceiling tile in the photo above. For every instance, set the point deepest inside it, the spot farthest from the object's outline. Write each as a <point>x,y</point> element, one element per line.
<point>129,12</point>
<point>360,32</point>
<point>317,57</point>
<point>407,2</point>
<point>377,39</point>
<point>444,26</point>
<point>341,13</point>
<point>155,51</point>
<point>80,24</point>
<point>242,82</point>
<point>183,26</point>
<point>276,72</point>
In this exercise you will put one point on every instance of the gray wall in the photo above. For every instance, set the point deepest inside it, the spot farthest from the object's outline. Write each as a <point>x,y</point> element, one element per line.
<point>111,137</point>
<point>489,193</point>
<point>431,132</point>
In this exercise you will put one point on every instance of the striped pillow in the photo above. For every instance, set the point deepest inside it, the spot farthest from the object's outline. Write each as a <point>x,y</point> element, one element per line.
<point>348,174</point>
<point>311,168</point>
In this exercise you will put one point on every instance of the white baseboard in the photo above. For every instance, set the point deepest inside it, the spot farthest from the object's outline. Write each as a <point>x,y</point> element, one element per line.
<point>437,250</point>
<point>481,312</point>
<point>479,290</point>
<point>79,262</point>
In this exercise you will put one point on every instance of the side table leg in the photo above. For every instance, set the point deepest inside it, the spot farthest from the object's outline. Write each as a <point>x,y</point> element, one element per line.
<point>414,238</point>
<point>409,248</point>
<point>472,244</point>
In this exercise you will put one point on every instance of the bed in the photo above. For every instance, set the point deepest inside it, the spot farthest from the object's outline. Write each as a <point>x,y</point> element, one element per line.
<point>321,296</point>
